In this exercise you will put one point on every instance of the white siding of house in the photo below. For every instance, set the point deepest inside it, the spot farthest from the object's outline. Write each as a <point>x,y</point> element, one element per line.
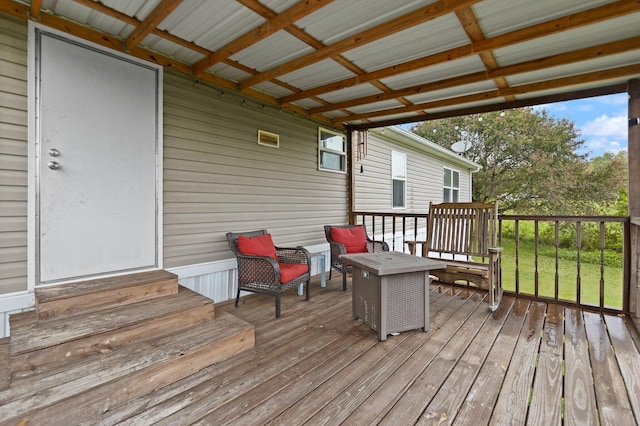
<point>424,183</point>
<point>218,179</point>
<point>13,155</point>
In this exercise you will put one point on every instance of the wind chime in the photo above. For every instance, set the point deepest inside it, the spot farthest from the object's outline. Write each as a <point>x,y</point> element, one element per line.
<point>360,138</point>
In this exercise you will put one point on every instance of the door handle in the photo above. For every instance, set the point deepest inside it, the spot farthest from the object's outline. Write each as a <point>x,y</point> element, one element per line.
<point>54,165</point>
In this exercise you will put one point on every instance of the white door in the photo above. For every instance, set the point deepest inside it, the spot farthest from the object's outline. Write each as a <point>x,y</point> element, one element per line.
<point>97,123</point>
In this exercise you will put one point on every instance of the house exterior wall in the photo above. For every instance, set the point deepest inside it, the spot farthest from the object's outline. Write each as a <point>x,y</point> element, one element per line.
<point>424,184</point>
<point>13,155</point>
<point>216,179</point>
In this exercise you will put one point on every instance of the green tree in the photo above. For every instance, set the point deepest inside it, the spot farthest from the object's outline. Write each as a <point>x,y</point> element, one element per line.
<point>529,162</point>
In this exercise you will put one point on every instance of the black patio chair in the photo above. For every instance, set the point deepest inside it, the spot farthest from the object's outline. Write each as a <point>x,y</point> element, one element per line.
<point>268,272</point>
<point>357,241</point>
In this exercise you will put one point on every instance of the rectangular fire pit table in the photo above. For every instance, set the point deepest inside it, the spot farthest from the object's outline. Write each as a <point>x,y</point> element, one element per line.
<point>390,290</point>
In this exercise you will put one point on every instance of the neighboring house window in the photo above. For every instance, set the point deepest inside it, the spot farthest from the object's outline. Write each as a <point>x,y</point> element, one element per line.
<point>399,178</point>
<point>332,151</point>
<point>451,186</point>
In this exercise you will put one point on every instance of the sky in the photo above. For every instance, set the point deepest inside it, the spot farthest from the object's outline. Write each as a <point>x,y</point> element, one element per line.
<point>602,122</point>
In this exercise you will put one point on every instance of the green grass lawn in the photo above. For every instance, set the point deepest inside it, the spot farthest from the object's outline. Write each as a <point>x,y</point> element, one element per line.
<point>590,275</point>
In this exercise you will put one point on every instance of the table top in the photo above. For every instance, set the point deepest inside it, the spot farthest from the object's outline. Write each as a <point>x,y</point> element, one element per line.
<point>392,262</point>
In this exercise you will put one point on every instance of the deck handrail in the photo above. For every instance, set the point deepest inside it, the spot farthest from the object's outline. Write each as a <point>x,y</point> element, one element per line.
<point>528,281</point>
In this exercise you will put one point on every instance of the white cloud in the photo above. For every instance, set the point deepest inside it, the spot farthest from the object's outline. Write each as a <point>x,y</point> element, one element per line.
<point>605,134</point>
<point>612,127</point>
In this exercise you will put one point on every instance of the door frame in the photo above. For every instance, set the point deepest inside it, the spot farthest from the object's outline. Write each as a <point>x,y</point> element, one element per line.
<point>33,155</point>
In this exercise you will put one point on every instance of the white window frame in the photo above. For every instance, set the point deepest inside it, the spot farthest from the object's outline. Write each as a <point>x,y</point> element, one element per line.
<point>399,173</point>
<point>323,149</point>
<point>454,191</point>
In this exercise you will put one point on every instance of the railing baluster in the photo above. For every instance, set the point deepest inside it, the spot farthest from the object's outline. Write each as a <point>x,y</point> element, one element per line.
<point>602,247</point>
<point>579,260</point>
<point>536,240</point>
<point>393,232</point>
<point>557,274</point>
<point>516,229</point>
<point>404,230</point>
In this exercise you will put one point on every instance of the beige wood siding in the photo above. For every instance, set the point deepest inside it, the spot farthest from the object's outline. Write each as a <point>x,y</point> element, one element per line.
<point>218,179</point>
<point>13,155</point>
<point>424,178</point>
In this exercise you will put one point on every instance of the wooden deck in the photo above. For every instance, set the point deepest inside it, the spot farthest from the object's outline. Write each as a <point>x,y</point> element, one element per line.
<point>528,363</point>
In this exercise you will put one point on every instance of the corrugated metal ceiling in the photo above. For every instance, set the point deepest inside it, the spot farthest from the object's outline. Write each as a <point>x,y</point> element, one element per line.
<point>377,62</point>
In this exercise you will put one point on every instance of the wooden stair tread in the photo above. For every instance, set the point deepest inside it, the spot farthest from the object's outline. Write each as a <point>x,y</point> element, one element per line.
<point>57,292</point>
<point>22,319</point>
<point>39,335</point>
<point>146,366</point>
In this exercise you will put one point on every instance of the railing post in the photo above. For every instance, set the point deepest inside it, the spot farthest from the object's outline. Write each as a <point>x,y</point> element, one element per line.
<point>633,285</point>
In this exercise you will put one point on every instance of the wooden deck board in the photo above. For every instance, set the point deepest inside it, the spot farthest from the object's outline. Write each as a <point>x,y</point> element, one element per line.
<point>395,363</point>
<point>628,360</point>
<point>481,398</point>
<point>578,382</point>
<point>512,404</point>
<point>546,401</point>
<point>433,362</point>
<point>304,409</point>
<point>451,395</point>
<point>316,365</point>
<point>611,396</point>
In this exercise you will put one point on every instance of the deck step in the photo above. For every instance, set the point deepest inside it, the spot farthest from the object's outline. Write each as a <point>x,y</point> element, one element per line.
<point>92,295</point>
<point>109,379</point>
<point>5,363</point>
<point>39,347</point>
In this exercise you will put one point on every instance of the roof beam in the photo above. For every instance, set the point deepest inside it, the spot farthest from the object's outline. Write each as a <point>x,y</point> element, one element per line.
<point>609,11</point>
<point>283,20</point>
<point>162,10</point>
<point>470,25</point>
<point>579,94</point>
<point>585,54</point>
<point>590,77</point>
<point>427,13</point>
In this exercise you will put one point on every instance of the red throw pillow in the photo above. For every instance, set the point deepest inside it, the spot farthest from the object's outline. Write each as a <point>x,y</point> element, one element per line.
<point>261,245</point>
<point>290,271</point>
<point>353,239</point>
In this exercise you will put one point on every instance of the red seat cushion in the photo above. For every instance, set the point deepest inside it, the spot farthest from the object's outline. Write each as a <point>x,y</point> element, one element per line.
<point>290,271</point>
<point>354,239</point>
<point>261,245</point>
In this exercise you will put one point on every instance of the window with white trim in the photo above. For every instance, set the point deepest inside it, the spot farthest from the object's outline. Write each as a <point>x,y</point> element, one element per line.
<point>451,186</point>
<point>332,151</point>
<point>398,179</point>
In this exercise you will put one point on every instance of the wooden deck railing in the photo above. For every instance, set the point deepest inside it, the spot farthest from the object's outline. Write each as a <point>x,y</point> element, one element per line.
<point>575,260</point>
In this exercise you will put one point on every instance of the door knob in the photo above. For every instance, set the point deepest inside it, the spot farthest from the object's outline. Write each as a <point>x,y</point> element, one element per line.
<point>54,152</point>
<point>54,165</point>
